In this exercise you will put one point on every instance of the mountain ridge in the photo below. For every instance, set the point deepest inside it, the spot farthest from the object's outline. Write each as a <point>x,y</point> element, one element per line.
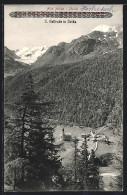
<point>84,86</point>
<point>86,46</point>
<point>107,28</point>
<point>95,81</point>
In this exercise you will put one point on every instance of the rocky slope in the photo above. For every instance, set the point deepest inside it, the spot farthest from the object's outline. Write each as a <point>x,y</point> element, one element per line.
<point>11,65</point>
<point>97,42</point>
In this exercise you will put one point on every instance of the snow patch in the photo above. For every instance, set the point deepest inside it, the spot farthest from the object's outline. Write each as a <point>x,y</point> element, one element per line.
<point>30,55</point>
<point>106,28</point>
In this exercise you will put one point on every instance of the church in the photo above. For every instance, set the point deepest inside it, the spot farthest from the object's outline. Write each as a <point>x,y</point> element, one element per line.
<point>65,136</point>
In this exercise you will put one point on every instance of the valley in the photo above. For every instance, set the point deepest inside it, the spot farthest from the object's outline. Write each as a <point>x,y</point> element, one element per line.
<point>102,148</point>
<point>79,87</point>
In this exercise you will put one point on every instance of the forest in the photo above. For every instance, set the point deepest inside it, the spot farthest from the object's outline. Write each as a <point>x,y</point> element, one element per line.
<point>85,93</point>
<point>31,158</point>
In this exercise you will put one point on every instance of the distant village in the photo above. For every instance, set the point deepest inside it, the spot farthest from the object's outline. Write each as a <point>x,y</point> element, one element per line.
<point>92,136</point>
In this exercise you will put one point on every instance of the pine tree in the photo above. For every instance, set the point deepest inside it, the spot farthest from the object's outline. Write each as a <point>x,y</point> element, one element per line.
<point>93,172</point>
<point>36,154</point>
<point>12,160</point>
<point>40,149</point>
<point>88,170</point>
<point>75,157</point>
<point>84,165</point>
<point>24,107</point>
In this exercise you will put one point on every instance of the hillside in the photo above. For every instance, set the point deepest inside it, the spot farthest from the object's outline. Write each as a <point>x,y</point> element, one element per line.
<point>85,47</point>
<point>11,65</point>
<point>84,92</point>
<point>9,53</point>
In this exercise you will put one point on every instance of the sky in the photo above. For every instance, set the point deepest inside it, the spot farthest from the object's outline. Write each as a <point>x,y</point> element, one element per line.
<point>34,32</point>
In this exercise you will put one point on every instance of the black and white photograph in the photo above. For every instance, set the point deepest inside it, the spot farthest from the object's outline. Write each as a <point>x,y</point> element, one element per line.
<point>63,97</point>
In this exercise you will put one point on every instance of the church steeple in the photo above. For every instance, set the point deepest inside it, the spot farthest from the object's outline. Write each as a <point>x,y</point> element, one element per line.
<point>63,130</point>
<point>63,133</point>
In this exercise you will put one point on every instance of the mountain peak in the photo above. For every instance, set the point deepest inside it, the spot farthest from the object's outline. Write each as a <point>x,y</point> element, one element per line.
<point>30,55</point>
<point>106,28</point>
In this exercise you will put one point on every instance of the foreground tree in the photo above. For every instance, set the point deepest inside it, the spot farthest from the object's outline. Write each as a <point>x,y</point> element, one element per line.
<point>93,175</point>
<point>35,145</point>
<point>12,145</point>
<point>88,169</point>
<point>83,169</point>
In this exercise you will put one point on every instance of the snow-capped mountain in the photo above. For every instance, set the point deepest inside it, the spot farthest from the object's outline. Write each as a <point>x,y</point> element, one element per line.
<point>101,40</point>
<point>111,32</point>
<point>30,55</point>
<point>106,28</point>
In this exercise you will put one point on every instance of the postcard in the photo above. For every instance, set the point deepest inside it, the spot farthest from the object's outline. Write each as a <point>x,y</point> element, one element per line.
<point>63,104</point>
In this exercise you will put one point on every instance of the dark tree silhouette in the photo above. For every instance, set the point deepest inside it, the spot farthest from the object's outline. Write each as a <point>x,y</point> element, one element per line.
<point>36,151</point>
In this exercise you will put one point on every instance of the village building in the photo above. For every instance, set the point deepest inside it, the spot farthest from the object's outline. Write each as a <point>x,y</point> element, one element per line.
<point>83,135</point>
<point>93,134</point>
<point>65,136</point>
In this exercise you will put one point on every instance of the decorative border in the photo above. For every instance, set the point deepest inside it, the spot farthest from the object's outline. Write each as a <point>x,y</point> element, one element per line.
<point>41,14</point>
